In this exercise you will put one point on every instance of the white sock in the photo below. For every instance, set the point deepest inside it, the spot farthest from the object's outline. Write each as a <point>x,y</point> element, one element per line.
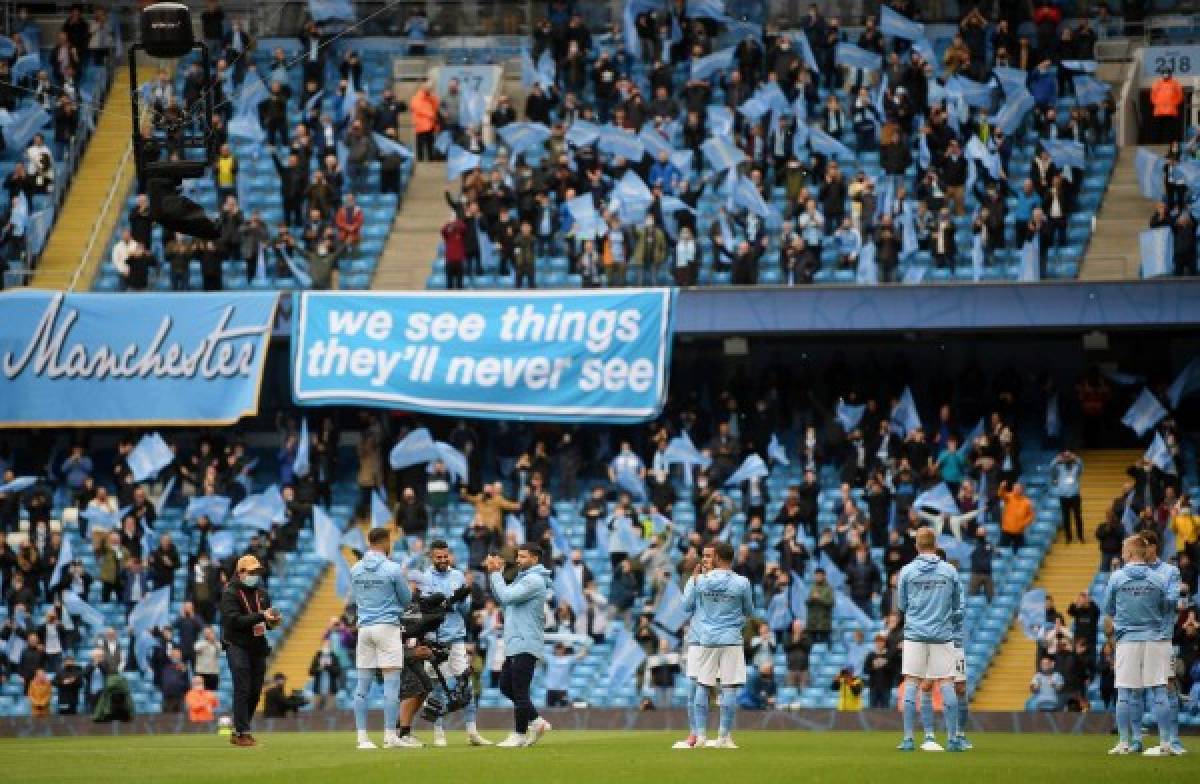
<point>362,736</point>
<point>389,735</point>
<point>471,729</point>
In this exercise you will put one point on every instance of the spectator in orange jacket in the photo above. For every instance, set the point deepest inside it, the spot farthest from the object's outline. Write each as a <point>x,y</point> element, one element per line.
<point>1018,515</point>
<point>349,222</point>
<point>1166,96</point>
<point>41,693</point>
<point>200,702</point>
<point>424,108</point>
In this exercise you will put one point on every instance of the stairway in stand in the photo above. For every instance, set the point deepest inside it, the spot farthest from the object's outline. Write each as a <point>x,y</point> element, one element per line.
<point>82,211</point>
<point>1066,570</point>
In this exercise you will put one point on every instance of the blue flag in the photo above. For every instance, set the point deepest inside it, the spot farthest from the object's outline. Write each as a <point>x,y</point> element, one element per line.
<point>1145,413</point>
<point>1149,168</point>
<point>706,9</point>
<point>746,196</point>
<point>327,10</point>
<point>853,56</point>
<point>84,611</point>
<point>471,106</point>
<point>454,460</point>
<point>1157,453</point>
<point>1080,66</point>
<point>380,516</point>
<point>252,93</point>
<point>1187,382</point>
<point>833,573</point>
<point>531,74</point>
<point>151,612</point>
<point>1157,251</point>
<point>721,154</point>
<point>618,141</point>
<point>753,467</point>
<point>1090,91</point>
<point>66,554</point>
<point>25,123</point>
<point>776,451</point>
<point>823,143</point>
<point>937,497</point>
<point>354,539</point>
<point>849,415</point>
<point>866,272</point>
<point>220,545</point>
<point>806,52</point>
<point>1032,613</point>
<point>26,65</point>
<point>214,507</point>
<point>415,448</point>
<point>520,136</point>
<point>1016,105</point>
<point>653,142</point>
<point>387,146</point>
<point>568,590</point>
<point>7,47</point>
<point>681,451</point>
<point>442,142</point>
<point>459,162</point>
<point>905,418</point>
<point>633,197</point>
<point>1066,153</point>
<point>704,67</point>
<point>976,94</point>
<point>896,25</point>
<point>301,465</point>
<point>327,537</point>
<point>1031,270</point>
<point>670,613</point>
<point>150,456</point>
<point>262,510</point>
<point>626,658</point>
<point>846,609</point>
<point>247,128</point>
<point>582,133</point>
<point>20,484</point>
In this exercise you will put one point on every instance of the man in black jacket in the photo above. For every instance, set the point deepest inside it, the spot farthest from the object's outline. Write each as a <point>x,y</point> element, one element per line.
<point>246,614</point>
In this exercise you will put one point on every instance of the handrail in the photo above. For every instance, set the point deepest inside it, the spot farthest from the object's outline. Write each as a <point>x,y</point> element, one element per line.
<point>118,178</point>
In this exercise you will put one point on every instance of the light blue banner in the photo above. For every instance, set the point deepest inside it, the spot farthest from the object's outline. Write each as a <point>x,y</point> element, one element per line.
<point>479,78</point>
<point>131,359</point>
<point>1182,61</point>
<point>549,356</point>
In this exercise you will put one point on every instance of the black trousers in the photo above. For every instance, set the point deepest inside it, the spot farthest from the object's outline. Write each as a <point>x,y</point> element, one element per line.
<point>1072,507</point>
<point>248,669</point>
<point>515,678</point>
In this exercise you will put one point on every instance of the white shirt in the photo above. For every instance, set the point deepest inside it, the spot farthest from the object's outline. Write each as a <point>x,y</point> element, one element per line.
<point>120,254</point>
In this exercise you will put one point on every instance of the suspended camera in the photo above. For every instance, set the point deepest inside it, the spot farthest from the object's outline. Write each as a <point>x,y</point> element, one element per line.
<point>166,32</point>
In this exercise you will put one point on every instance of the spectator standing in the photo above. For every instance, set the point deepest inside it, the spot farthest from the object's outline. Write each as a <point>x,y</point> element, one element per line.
<point>820,608</point>
<point>201,703</point>
<point>1017,516</point>
<point>206,659</point>
<point>1046,687</point>
<point>1166,100</point>
<point>1065,475</point>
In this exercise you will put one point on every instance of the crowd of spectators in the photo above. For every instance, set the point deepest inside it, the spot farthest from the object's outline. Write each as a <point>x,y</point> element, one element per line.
<point>517,212</point>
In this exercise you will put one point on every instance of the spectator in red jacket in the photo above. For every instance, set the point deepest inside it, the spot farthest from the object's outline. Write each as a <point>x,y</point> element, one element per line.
<point>454,235</point>
<point>349,221</point>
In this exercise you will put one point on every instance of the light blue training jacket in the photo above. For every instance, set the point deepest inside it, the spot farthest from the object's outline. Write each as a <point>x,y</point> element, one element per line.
<point>1137,598</point>
<point>719,602</point>
<point>929,597</point>
<point>524,602</point>
<point>379,587</point>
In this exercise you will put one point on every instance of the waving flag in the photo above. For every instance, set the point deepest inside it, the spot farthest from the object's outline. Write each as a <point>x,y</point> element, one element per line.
<point>454,460</point>
<point>633,197</point>
<point>670,613</point>
<point>247,128</point>
<point>531,74</point>
<point>989,159</point>
<point>653,143</point>
<point>150,456</point>
<point>327,536</point>
<point>1032,613</point>
<point>214,507</point>
<point>1157,248</point>
<point>853,56</point>
<point>1149,169</point>
<point>753,108</point>
<point>753,467</point>
<point>896,25</point>
<point>388,146</point>
<point>471,106</point>
<point>1031,270</point>
<point>24,124</point>
<point>1187,382</point>
<point>1145,413</point>
<point>1080,66</point>
<point>1066,153</point>
<point>823,143</point>
<point>66,554</point>
<point>721,154</point>
<point>706,9</point>
<point>26,65</point>
<point>301,465</point>
<point>626,658</point>
<point>705,67</point>
<point>776,451</point>
<point>262,510</point>
<point>937,497</point>
<point>561,543</point>
<point>746,196</point>
<point>520,136</point>
<point>1016,105</point>
<point>681,451</point>
<point>221,545</point>
<point>976,94</point>
<point>415,448</point>
<point>618,141</point>
<point>353,538</point>
<point>459,162</point>
<point>582,133</point>
<point>1158,454</point>
<point>970,437</point>
<point>849,415</point>
<point>20,484</point>
<point>7,47</point>
<point>568,590</point>
<point>1090,91</point>
<point>806,52</point>
<point>84,611</point>
<point>151,612</point>
<point>905,418</point>
<point>380,516</point>
<point>866,271</point>
<point>833,573</point>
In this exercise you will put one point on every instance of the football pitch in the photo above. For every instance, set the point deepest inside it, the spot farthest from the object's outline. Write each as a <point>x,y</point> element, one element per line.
<point>583,757</point>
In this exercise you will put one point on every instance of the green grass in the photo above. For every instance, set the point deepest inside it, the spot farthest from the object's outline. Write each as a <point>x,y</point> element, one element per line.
<point>583,757</point>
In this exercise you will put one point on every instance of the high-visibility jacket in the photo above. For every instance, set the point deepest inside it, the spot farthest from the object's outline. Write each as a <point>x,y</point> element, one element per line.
<point>424,107</point>
<point>1166,96</point>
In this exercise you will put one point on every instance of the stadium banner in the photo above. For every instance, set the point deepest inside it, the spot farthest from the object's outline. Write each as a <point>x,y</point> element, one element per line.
<point>545,355</point>
<point>131,359</point>
<point>482,79</point>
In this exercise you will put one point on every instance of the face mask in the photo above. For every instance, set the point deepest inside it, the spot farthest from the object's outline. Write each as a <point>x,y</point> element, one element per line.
<point>250,581</point>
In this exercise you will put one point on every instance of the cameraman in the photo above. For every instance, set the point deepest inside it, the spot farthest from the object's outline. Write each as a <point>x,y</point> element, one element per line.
<point>442,578</point>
